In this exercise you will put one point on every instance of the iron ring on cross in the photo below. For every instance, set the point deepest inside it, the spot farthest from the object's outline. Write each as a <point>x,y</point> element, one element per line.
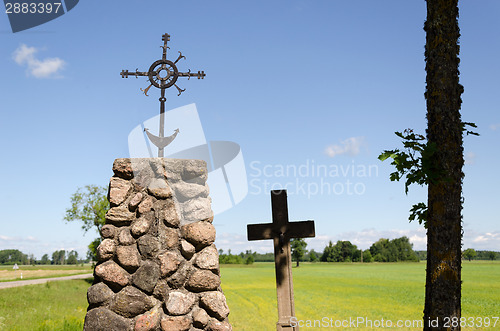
<point>163,74</point>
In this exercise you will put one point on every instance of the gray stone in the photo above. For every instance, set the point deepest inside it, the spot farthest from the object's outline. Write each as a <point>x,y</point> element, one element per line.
<point>141,226</point>
<point>203,280</point>
<point>186,170</point>
<point>112,273</point>
<point>195,210</point>
<point>166,212</point>
<point>102,319</point>
<point>187,249</point>
<point>200,234</point>
<point>179,303</point>
<point>146,205</point>
<point>216,325</point>
<point>169,237</point>
<point>215,304</point>
<point>148,246</point>
<point>128,256</point>
<point>124,237</point>
<point>130,302</point>
<point>208,258</point>
<point>185,191</point>
<point>149,321</point>
<point>106,249</point>
<point>134,202</point>
<point>120,215</point>
<point>108,231</point>
<point>200,318</point>
<point>146,276</point>
<point>169,262</point>
<point>118,190</point>
<point>123,168</point>
<point>178,279</point>
<point>192,170</point>
<point>98,294</point>
<point>159,189</point>
<point>175,323</point>
<point>161,290</point>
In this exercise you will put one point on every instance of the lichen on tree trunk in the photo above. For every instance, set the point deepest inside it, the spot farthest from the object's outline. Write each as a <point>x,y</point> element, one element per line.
<point>444,223</point>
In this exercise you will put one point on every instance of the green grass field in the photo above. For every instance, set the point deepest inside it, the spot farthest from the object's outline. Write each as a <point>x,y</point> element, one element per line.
<point>337,291</point>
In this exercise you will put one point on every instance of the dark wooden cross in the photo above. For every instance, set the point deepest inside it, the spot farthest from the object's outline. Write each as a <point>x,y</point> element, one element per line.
<point>281,231</point>
<point>163,74</point>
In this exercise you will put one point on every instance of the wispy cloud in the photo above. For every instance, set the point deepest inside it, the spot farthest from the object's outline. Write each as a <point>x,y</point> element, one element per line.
<point>350,146</point>
<point>483,241</point>
<point>470,158</point>
<point>495,127</point>
<point>46,68</point>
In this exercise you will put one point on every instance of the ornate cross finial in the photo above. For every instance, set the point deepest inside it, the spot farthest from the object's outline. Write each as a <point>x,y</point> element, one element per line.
<point>163,74</point>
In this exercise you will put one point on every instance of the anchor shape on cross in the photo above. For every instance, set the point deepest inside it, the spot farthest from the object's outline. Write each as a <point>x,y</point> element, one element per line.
<point>163,74</point>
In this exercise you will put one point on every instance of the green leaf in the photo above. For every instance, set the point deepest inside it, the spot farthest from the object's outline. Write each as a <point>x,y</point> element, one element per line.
<point>387,154</point>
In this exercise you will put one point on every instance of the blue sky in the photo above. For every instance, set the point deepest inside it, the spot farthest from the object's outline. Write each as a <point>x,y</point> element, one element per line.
<point>294,83</point>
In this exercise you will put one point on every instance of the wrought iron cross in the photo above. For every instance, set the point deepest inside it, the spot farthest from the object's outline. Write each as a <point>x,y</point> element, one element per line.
<point>163,74</point>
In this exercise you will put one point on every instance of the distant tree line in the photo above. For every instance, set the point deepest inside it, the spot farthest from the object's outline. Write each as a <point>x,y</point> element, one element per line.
<point>472,254</point>
<point>384,250</point>
<point>242,258</point>
<point>13,256</point>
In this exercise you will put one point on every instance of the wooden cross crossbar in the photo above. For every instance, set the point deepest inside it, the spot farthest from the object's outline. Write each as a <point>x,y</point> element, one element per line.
<point>281,231</point>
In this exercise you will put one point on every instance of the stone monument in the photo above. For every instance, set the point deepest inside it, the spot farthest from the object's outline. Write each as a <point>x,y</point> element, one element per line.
<point>158,267</point>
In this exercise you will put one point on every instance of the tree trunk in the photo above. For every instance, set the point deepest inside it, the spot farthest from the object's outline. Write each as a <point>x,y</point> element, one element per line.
<point>444,223</point>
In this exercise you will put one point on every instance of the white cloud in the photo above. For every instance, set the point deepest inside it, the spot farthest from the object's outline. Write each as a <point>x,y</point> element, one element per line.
<point>482,241</point>
<point>495,127</point>
<point>470,158</point>
<point>350,146</point>
<point>46,68</point>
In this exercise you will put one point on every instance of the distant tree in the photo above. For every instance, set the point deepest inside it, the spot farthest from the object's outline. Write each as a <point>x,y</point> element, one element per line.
<point>59,257</point>
<point>328,253</point>
<point>469,254</point>
<point>404,249</point>
<point>12,256</point>
<point>399,249</point>
<point>345,251</point>
<point>89,205</point>
<point>380,251</point>
<point>342,251</point>
<point>492,255</point>
<point>313,256</point>
<point>72,258</point>
<point>92,252</point>
<point>367,256</point>
<point>45,259</point>
<point>250,259</point>
<point>298,246</point>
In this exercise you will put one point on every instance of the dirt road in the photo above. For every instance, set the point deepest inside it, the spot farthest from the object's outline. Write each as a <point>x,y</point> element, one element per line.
<point>41,280</point>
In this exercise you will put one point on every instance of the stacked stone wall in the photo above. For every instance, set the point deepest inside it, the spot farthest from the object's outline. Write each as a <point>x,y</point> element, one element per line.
<point>158,267</point>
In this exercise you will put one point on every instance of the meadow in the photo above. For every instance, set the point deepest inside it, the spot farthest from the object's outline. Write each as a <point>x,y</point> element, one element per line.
<point>7,273</point>
<point>324,292</point>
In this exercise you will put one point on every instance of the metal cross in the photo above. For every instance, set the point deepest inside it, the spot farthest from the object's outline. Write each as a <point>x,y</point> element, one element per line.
<point>281,231</point>
<point>163,74</point>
